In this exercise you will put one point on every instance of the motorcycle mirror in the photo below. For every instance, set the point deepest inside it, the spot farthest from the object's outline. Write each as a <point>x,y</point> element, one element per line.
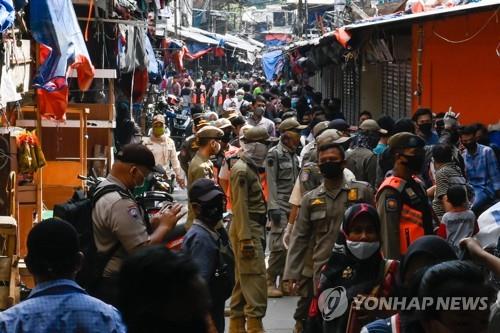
<point>160,169</point>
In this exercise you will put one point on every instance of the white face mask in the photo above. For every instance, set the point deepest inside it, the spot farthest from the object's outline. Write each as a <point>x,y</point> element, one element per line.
<point>362,250</point>
<point>256,151</point>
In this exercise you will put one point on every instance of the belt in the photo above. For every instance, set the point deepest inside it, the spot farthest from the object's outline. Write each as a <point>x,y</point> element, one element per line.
<point>260,218</point>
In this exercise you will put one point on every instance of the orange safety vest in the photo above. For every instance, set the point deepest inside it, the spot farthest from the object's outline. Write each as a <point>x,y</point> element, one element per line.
<point>198,98</point>
<point>411,222</point>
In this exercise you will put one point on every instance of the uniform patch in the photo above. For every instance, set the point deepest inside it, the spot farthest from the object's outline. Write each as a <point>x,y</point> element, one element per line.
<point>411,193</point>
<point>347,273</point>
<point>270,162</point>
<point>353,194</point>
<point>317,202</point>
<point>133,212</point>
<point>304,176</point>
<point>391,204</point>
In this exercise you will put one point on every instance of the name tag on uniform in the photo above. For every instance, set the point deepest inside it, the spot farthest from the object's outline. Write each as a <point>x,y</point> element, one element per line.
<point>317,202</point>
<point>411,193</point>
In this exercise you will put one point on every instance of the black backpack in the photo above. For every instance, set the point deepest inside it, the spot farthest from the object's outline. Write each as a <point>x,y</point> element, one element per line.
<point>78,212</point>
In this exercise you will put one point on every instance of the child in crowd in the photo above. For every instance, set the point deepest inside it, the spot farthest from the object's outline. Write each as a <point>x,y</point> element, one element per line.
<point>459,221</point>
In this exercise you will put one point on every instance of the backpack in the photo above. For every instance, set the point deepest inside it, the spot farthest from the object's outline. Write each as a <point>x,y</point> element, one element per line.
<point>223,280</point>
<point>78,212</point>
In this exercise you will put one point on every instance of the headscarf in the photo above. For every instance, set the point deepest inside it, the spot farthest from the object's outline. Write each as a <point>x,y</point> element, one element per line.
<point>432,246</point>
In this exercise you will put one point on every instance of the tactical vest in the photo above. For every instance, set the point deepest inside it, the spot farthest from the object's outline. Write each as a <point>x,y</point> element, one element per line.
<point>414,221</point>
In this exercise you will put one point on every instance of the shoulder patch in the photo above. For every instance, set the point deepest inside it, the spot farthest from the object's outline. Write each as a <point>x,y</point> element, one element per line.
<point>133,212</point>
<point>391,204</point>
<point>270,162</point>
<point>304,175</point>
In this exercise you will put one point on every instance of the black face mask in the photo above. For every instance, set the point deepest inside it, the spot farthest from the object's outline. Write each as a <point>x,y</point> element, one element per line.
<point>415,162</point>
<point>425,128</point>
<point>211,212</point>
<point>331,170</point>
<point>227,137</point>
<point>470,146</point>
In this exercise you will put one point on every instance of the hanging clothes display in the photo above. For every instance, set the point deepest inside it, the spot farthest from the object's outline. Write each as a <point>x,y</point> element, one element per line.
<point>132,49</point>
<point>54,25</point>
<point>8,91</point>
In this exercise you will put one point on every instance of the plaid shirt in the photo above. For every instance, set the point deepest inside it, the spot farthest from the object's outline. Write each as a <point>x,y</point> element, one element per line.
<point>61,306</point>
<point>482,170</point>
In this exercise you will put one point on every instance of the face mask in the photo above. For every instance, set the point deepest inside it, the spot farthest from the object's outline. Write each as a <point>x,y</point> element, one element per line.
<point>362,250</point>
<point>470,146</point>
<point>415,162</point>
<point>212,211</point>
<point>425,128</point>
<point>258,112</point>
<point>239,97</point>
<point>158,131</point>
<point>227,137</point>
<point>141,185</point>
<point>331,170</point>
<point>256,151</point>
<point>215,148</point>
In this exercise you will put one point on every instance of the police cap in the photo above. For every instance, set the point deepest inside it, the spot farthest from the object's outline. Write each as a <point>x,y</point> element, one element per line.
<point>256,134</point>
<point>330,136</point>
<point>290,124</point>
<point>371,125</point>
<point>320,127</point>
<point>137,154</point>
<point>405,140</point>
<point>223,123</point>
<point>210,132</point>
<point>339,124</point>
<point>204,190</point>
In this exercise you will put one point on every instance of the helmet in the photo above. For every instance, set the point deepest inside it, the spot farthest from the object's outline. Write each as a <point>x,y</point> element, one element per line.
<point>172,99</point>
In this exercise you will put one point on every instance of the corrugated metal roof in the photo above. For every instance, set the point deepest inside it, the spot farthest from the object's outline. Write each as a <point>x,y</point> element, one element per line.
<point>400,17</point>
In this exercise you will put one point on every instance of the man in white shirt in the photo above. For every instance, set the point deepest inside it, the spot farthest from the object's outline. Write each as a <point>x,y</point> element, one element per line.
<point>231,101</point>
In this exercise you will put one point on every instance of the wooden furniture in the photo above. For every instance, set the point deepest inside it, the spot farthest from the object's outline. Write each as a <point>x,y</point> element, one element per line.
<point>9,274</point>
<point>68,144</point>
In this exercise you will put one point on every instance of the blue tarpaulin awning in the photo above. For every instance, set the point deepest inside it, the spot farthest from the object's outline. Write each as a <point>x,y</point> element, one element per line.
<point>272,62</point>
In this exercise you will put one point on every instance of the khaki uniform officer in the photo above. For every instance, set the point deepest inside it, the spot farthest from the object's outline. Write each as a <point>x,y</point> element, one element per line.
<point>282,168</point>
<point>322,209</point>
<point>247,234</point>
<point>208,139</point>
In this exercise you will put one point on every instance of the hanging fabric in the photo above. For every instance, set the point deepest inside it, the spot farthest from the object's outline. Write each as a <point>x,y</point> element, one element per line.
<point>29,152</point>
<point>7,15</point>
<point>54,25</point>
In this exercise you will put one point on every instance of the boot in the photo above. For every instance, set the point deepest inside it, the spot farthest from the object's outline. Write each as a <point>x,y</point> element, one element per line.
<point>299,326</point>
<point>272,291</point>
<point>254,325</point>
<point>237,325</point>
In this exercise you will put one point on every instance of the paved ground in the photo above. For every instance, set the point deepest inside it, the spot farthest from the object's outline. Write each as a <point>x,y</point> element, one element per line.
<point>279,318</point>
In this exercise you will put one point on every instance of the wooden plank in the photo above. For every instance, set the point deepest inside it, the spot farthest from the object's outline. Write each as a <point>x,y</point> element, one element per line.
<point>99,74</point>
<point>91,124</point>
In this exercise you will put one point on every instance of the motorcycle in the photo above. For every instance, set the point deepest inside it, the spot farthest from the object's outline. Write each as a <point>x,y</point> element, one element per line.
<point>179,121</point>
